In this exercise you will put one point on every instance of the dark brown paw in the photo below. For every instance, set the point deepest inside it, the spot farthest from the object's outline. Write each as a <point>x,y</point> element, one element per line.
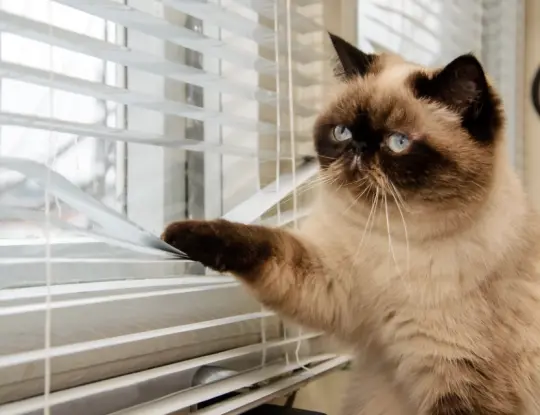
<point>221,245</point>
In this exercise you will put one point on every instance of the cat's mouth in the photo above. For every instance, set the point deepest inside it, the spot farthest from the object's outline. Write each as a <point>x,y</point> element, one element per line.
<point>365,181</point>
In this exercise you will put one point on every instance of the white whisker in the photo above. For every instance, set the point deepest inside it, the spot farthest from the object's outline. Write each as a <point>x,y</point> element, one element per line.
<point>373,207</point>
<point>356,199</point>
<point>399,196</point>
<point>375,211</point>
<point>404,230</point>
<point>371,216</point>
<point>390,245</point>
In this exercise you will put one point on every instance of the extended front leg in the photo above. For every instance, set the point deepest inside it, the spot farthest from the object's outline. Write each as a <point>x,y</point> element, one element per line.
<point>285,272</point>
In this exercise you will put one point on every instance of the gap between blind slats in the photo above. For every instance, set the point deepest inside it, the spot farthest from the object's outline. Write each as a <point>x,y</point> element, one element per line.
<point>37,355</point>
<point>38,31</point>
<point>277,389</point>
<point>81,302</point>
<point>10,294</point>
<point>135,19</point>
<point>127,97</point>
<point>239,25</point>
<point>255,206</point>
<point>108,385</point>
<point>98,130</point>
<point>187,398</point>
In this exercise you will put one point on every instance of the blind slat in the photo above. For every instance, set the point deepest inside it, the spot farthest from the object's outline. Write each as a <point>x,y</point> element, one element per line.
<point>113,224</point>
<point>251,209</point>
<point>135,19</point>
<point>239,25</point>
<point>129,57</point>
<point>37,355</point>
<point>10,294</point>
<point>76,250</point>
<point>127,97</point>
<point>114,384</point>
<point>185,399</point>
<point>277,389</point>
<point>128,136</point>
<point>38,31</point>
<point>217,15</point>
<point>158,27</point>
<point>301,23</point>
<point>82,302</point>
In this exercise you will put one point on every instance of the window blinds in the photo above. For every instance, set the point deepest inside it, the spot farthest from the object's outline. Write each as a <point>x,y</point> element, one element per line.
<point>117,117</point>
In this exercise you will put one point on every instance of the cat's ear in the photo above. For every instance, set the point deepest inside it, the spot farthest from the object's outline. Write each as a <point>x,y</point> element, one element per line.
<point>461,85</point>
<point>351,61</point>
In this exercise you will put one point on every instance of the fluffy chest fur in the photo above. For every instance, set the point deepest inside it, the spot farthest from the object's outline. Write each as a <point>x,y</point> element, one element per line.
<point>464,304</point>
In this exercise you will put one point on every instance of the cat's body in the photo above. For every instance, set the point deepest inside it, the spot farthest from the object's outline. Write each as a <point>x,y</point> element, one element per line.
<point>420,250</point>
<point>469,304</point>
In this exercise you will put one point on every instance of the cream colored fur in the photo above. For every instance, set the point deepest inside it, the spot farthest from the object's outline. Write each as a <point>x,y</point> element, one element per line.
<point>444,292</point>
<point>418,289</point>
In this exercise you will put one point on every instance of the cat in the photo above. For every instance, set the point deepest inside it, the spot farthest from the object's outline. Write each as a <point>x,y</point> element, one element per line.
<point>421,247</point>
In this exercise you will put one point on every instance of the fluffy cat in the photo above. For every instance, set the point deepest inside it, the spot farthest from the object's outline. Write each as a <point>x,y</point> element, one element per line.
<point>420,249</point>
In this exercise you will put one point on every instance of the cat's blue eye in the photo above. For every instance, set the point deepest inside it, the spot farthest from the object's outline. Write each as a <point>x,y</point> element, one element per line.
<point>398,142</point>
<point>341,133</point>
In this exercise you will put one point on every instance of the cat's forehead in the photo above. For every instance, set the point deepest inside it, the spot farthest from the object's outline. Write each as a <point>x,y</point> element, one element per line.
<point>385,94</point>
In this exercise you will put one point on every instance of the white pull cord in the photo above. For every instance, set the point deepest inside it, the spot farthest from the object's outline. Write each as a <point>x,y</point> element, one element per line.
<point>47,232</point>
<point>293,151</point>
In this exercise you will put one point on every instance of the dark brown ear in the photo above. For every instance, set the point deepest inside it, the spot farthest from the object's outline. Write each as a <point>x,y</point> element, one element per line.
<point>351,61</point>
<point>459,84</point>
<point>462,86</point>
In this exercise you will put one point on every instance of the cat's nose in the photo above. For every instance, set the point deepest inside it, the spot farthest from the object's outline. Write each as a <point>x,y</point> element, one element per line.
<point>359,145</point>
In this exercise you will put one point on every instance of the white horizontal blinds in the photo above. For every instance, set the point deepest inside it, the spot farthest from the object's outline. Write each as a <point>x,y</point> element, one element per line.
<point>503,42</point>
<point>129,115</point>
<point>291,172</point>
<point>427,32</point>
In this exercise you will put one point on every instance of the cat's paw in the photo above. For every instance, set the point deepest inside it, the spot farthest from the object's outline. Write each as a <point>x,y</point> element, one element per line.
<point>221,245</point>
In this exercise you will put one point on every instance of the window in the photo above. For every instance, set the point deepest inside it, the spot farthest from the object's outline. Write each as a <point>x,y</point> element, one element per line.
<point>119,116</point>
<point>115,119</point>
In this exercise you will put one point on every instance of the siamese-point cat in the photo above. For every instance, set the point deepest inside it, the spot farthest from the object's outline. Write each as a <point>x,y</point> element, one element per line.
<point>420,249</point>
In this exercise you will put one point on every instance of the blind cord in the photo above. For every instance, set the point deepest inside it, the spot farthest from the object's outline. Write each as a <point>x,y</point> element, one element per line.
<point>278,133</point>
<point>293,149</point>
<point>47,232</point>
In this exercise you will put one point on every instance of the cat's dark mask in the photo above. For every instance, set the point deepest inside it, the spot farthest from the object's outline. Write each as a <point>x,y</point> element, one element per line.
<point>425,132</point>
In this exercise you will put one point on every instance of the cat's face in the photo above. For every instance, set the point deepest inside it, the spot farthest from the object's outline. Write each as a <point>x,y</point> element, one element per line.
<point>398,129</point>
